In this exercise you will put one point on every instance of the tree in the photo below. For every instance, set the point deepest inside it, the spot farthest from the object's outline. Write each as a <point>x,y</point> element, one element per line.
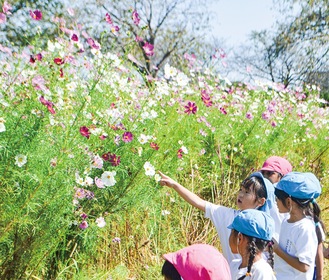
<point>151,32</point>
<point>172,27</point>
<point>299,45</point>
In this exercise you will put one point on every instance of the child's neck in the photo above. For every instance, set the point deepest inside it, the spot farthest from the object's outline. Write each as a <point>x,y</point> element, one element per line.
<point>296,214</point>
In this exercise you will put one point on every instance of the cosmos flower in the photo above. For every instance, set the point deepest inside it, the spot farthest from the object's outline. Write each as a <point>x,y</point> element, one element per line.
<point>83,225</point>
<point>149,169</point>
<point>100,222</point>
<point>148,48</point>
<point>108,178</point>
<point>135,17</point>
<point>20,160</point>
<point>36,15</point>
<point>190,108</point>
<point>127,137</point>
<point>84,131</point>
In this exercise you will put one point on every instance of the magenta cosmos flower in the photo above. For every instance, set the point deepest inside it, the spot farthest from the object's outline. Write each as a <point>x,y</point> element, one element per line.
<point>127,137</point>
<point>37,15</point>
<point>190,108</point>
<point>148,48</point>
<point>84,131</point>
<point>136,18</point>
<point>83,225</point>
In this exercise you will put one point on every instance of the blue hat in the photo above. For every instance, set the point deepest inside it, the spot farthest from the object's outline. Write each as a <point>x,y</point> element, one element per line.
<point>301,185</point>
<point>270,199</point>
<point>254,223</point>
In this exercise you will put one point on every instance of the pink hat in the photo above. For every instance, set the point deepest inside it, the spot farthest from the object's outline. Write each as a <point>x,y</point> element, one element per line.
<point>200,262</point>
<point>277,164</point>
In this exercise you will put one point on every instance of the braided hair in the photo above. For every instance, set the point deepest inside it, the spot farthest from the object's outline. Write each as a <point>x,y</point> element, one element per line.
<point>256,245</point>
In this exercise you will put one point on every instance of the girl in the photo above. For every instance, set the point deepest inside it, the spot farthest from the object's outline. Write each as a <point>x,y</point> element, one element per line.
<point>196,262</point>
<point>300,233</point>
<point>274,168</point>
<point>251,232</point>
<point>255,192</point>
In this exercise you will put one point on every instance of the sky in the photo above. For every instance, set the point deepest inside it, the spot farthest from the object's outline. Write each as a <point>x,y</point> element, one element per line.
<point>237,18</point>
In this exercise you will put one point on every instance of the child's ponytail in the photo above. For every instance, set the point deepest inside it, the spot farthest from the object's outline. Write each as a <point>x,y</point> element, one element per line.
<point>319,226</point>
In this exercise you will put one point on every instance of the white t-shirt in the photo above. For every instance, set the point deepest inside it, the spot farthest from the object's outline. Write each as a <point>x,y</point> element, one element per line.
<point>222,217</point>
<point>260,270</point>
<point>299,240</point>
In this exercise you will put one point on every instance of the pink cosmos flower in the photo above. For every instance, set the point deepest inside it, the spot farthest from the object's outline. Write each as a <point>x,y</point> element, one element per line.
<point>93,44</point>
<point>223,111</point>
<point>265,115</point>
<point>99,183</point>
<point>191,108</point>
<point>38,56</point>
<point>249,116</point>
<point>6,8</point>
<point>84,131</point>
<point>97,162</point>
<point>3,18</point>
<point>80,193</point>
<point>83,225</point>
<point>127,137</point>
<point>154,146</point>
<point>135,17</point>
<point>48,104</point>
<point>206,99</point>
<point>149,49</point>
<point>180,153</point>
<point>108,19</point>
<point>37,15</point>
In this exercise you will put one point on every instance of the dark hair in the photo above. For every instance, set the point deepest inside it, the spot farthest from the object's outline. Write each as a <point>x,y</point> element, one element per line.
<point>257,245</point>
<point>255,185</point>
<point>310,207</point>
<point>170,271</point>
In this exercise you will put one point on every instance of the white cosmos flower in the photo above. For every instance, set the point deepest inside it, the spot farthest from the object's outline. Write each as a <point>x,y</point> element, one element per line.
<point>165,212</point>
<point>143,139</point>
<point>149,169</point>
<point>100,222</point>
<point>108,178</point>
<point>157,177</point>
<point>20,160</point>
<point>184,149</point>
<point>182,79</point>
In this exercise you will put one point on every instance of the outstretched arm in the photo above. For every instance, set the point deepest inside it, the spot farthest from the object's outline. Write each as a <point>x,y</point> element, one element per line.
<point>187,195</point>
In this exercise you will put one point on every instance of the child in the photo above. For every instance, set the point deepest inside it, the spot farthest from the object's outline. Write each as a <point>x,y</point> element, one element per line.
<point>251,233</point>
<point>299,235</point>
<point>196,262</point>
<point>274,168</point>
<point>255,192</point>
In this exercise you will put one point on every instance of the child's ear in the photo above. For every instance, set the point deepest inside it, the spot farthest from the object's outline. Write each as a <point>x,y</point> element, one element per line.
<point>262,201</point>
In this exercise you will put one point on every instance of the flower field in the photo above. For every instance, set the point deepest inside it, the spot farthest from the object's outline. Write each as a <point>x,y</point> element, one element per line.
<point>83,133</point>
